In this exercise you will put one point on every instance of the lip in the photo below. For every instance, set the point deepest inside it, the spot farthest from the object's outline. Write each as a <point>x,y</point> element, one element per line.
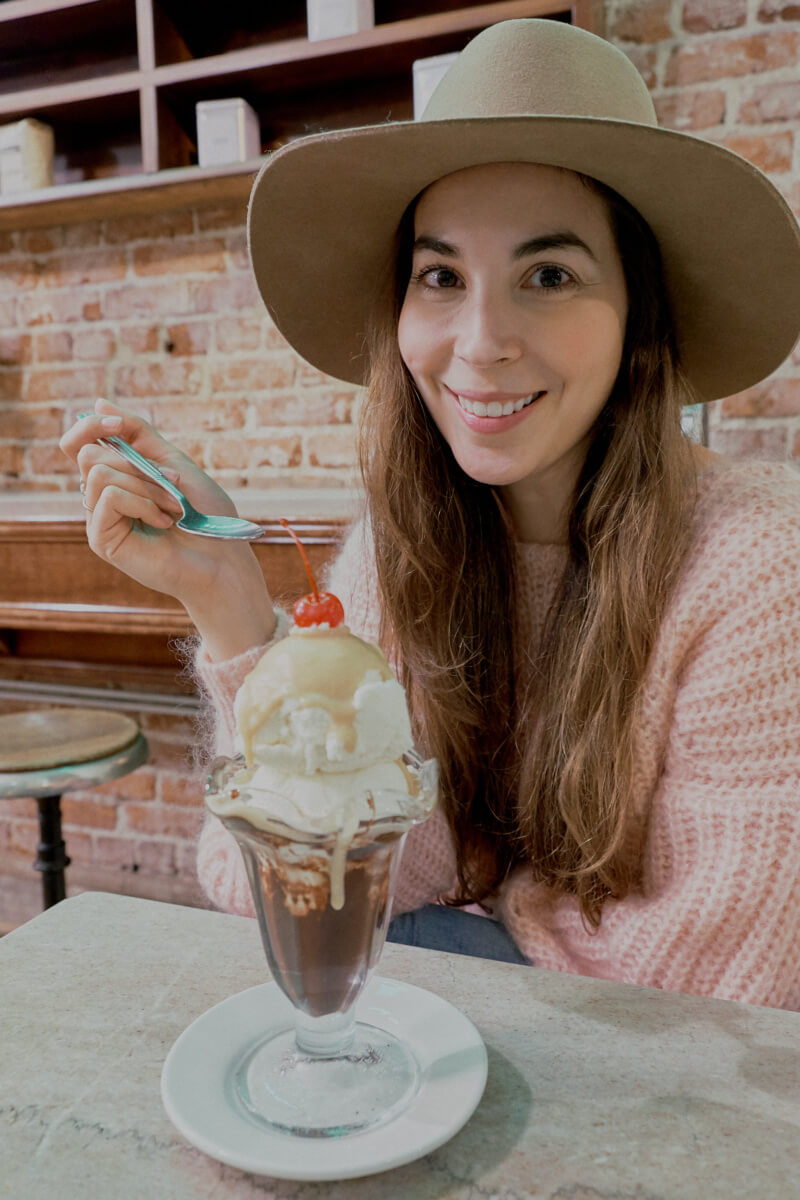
<point>492,424</point>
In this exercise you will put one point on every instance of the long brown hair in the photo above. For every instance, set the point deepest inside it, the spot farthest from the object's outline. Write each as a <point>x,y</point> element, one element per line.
<point>542,774</point>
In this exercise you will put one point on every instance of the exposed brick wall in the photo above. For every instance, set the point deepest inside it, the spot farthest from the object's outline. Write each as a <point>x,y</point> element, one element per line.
<point>160,314</point>
<point>729,71</point>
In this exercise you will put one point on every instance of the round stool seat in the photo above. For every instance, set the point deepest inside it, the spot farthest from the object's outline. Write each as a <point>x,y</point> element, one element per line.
<point>58,737</point>
<point>47,752</point>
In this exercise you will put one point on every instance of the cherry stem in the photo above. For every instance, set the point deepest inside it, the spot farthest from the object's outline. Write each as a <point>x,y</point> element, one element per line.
<point>303,555</point>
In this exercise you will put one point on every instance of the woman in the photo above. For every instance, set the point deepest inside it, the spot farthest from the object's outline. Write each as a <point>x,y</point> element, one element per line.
<point>594,620</point>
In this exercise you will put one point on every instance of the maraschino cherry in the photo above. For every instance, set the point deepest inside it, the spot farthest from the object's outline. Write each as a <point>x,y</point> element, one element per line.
<point>316,608</point>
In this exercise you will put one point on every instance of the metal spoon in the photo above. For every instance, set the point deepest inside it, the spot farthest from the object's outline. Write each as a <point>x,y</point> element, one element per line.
<point>192,521</point>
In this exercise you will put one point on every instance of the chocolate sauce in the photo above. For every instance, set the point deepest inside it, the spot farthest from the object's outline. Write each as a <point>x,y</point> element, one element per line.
<point>319,956</point>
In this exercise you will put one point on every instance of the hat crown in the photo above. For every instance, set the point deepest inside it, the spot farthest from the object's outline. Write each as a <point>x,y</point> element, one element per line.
<point>541,67</point>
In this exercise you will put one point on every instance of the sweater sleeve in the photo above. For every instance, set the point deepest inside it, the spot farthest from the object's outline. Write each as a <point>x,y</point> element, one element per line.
<point>220,867</point>
<point>719,911</point>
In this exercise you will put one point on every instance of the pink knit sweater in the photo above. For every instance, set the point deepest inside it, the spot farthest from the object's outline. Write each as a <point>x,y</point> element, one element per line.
<point>717,767</point>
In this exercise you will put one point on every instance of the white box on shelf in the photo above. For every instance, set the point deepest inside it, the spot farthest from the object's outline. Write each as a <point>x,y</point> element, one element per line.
<point>227,132</point>
<point>426,74</point>
<point>338,18</point>
<point>26,156</point>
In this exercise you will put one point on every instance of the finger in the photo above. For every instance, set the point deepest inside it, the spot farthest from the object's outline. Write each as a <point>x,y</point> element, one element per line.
<point>86,430</point>
<point>102,475</point>
<point>91,455</point>
<point>111,420</point>
<point>110,521</point>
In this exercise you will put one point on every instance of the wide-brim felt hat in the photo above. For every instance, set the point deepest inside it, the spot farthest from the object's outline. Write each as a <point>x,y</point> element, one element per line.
<point>324,210</point>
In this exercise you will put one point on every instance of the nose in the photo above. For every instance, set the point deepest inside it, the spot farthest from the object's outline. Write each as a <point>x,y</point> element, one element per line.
<point>487,332</point>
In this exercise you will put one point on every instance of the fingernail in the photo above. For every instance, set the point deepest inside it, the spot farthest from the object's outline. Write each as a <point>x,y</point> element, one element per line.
<point>111,422</point>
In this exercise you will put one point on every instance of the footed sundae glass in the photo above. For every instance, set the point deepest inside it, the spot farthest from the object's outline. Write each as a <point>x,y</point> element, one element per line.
<point>323,903</point>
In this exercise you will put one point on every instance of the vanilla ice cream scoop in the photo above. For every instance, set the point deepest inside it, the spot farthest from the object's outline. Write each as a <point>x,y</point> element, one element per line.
<point>322,700</point>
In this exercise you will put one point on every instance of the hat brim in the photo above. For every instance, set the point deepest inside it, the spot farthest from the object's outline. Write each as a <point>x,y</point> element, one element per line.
<point>324,212</point>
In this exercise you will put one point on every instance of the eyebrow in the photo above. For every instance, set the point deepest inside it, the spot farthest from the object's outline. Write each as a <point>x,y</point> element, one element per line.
<point>562,239</point>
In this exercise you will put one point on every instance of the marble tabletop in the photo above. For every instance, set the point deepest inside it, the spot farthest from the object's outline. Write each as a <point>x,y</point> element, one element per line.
<point>595,1090</point>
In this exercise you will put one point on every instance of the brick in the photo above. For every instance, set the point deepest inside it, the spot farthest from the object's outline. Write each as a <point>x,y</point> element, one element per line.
<point>16,273</point>
<point>224,216</point>
<point>169,755</point>
<point>775,398</point>
<point>11,381</point>
<point>12,460</point>
<point>22,837</point>
<point>170,378</point>
<point>197,417</point>
<point>704,16</point>
<point>142,339</point>
<point>54,345</point>
<point>239,453</point>
<point>771,102</point>
<point>86,813</point>
<point>645,59</point>
<point>6,243</point>
<point>691,109</point>
<point>233,292</point>
<point>139,785</point>
<point>87,267</point>
<point>157,858</point>
<point>770,443</point>
<point>236,249</point>
<point>41,241</point>
<point>171,821</point>
<point>642,21</point>
<point>195,256</point>
<point>114,851</point>
<point>731,58</point>
<point>239,333</point>
<point>796,444</point>
<point>49,459</point>
<point>83,233</point>
<point>20,806</point>
<point>334,448</point>
<point>326,407</point>
<point>65,384</point>
<point>147,300</point>
<point>12,484</point>
<point>182,789</point>
<point>308,376</point>
<point>778,10</point>
<point>193,446</point>
<point>15,349</point>
<point>770,152</point>
<point>8,313</point>
<point>96,345</point>
<point>193,337</point>
<point>59,308</point>
<point>171,224</point>
<point>253,374</point>
<point>274,339</point>
<point>25,423</point>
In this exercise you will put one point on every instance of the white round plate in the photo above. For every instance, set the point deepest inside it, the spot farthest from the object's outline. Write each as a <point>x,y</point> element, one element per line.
<point>197,1087</point>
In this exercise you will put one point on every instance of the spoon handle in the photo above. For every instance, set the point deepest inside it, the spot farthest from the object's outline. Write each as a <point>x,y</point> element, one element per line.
<point>145,466</point>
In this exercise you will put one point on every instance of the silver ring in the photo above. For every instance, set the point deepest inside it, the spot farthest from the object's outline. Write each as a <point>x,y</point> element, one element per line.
<point>86,506</point>
<point>83,486</point>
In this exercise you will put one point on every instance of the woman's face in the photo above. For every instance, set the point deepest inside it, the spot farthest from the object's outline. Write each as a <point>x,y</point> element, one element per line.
<point>512,332</point>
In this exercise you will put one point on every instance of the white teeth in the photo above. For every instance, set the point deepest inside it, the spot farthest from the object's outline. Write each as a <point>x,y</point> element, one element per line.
<point>495,408</point>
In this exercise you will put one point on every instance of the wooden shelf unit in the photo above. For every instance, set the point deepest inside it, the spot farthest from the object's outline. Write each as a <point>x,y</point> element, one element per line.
<point>118,80</point>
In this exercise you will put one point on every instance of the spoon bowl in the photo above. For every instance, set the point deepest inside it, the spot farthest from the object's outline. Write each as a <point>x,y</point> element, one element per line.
<point>191,520</point>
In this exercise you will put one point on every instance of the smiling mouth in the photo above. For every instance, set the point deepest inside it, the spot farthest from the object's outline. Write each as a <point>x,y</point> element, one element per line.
<point>494,408</point>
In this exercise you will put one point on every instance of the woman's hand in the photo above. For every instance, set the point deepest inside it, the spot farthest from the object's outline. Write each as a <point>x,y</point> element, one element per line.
<point>131,524</point>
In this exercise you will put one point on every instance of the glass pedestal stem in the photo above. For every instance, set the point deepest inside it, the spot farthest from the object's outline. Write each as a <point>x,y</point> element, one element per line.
<point>325,1037</point>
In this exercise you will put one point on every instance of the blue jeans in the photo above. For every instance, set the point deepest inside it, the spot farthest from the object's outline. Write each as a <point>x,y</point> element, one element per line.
<point>435,927</point>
